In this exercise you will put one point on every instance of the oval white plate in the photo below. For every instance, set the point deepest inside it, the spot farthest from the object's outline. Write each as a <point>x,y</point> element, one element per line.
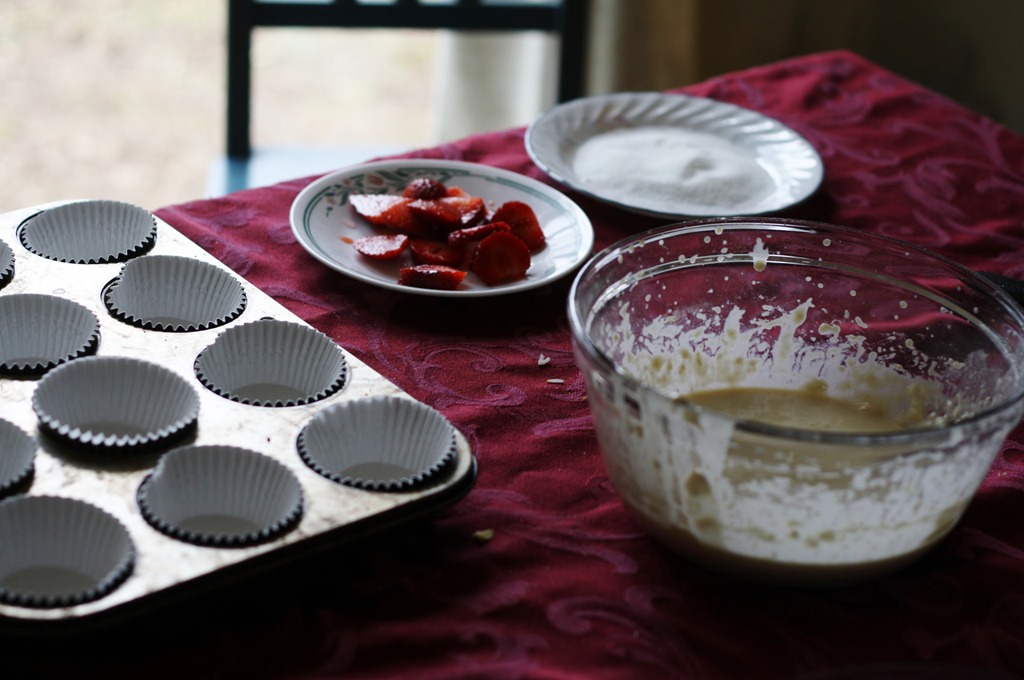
<point>325,224</point>
<point>783,166</point>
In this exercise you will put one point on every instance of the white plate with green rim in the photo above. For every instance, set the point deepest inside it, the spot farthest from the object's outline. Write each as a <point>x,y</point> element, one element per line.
<point>326,225</point>
<point>674,155</point>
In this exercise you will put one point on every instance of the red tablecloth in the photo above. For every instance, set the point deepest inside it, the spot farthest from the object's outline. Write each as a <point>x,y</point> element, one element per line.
<point>569,587</point>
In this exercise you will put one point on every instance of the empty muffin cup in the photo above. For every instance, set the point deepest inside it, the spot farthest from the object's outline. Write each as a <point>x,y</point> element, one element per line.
<point>382,443</point>
<point>43,331</point>
<point>60,552</point>
<point>221,496</point>
<point>272,363</point>
<point>173,293</point>
<point>6,264</point>
<point>17,457</point>
<point>89,232</point>
<point>115,403</point>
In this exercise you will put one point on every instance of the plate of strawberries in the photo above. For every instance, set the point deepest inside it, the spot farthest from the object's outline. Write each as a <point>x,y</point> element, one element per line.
<point>441,228</point>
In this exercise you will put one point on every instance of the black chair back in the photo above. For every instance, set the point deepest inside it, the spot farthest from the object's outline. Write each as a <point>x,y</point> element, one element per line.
<point>565,18</point>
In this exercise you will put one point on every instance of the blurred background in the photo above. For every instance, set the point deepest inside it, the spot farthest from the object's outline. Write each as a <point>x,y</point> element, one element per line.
<point>125,99</point>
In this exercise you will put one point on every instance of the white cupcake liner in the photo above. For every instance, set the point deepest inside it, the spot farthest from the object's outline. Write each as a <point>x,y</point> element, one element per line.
<point>60,552</point>
<point>173,293</point>
<point>43,331</point>
<point>89,232</point>
<point>381,443</point>
<point>6,264</point>
<point>115,403</point>
<point>272,363</point>
<point>221,496</point>
<point>17,457</point>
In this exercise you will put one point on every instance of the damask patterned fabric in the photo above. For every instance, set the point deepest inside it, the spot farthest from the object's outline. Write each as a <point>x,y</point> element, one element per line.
<point>567,586</point>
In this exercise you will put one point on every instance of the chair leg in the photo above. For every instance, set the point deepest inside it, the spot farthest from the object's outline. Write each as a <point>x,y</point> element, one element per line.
<point>572,72</point>
<point>239,74</point>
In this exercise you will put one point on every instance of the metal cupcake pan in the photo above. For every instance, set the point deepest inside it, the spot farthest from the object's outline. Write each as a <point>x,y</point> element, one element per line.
<point>180,421</point>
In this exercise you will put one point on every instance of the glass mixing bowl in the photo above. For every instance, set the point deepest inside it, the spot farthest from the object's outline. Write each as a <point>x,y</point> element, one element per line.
<point>793,402</point>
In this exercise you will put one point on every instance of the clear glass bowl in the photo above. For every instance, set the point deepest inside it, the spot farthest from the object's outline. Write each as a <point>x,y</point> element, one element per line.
<point>793,402</point>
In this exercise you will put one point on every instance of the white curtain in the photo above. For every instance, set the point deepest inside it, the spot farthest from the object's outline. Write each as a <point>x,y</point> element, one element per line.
<point>490,81</point>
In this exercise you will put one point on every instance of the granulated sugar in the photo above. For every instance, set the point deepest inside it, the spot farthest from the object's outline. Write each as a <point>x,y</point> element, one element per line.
<point>665,166</point>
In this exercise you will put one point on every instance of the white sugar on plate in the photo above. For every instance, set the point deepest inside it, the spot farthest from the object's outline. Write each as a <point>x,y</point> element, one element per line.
<point>660,165</point>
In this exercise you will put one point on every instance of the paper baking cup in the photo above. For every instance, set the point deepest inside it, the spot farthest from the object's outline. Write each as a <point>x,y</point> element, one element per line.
<point>6,264</point>
<point>89,232</point>
<point>60,552</point>
<point>115,402</point>
<point>272,363</point>
<point>17,457</point>
<point>38,332</point>
<point>381,443</point>
<point>220,496</point>
<point>172,293</point>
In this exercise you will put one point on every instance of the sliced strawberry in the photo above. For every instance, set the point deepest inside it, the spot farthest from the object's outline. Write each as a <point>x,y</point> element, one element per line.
<point>437,213</point>
<point>473,209</point>
<point>451,212</point>
<point>382,246</point>
<point>390,212</point>
<point>523,221</point>
<point>458,192</point>
<point>433,276</point>
<point>425,188</point>
<point>477,233</point>
<point>429,251</point>
<point>372,206</point>
<point>500,258</point>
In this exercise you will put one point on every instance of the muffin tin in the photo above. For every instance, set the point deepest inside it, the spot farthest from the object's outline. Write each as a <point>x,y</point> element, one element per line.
<point>165,425</point>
